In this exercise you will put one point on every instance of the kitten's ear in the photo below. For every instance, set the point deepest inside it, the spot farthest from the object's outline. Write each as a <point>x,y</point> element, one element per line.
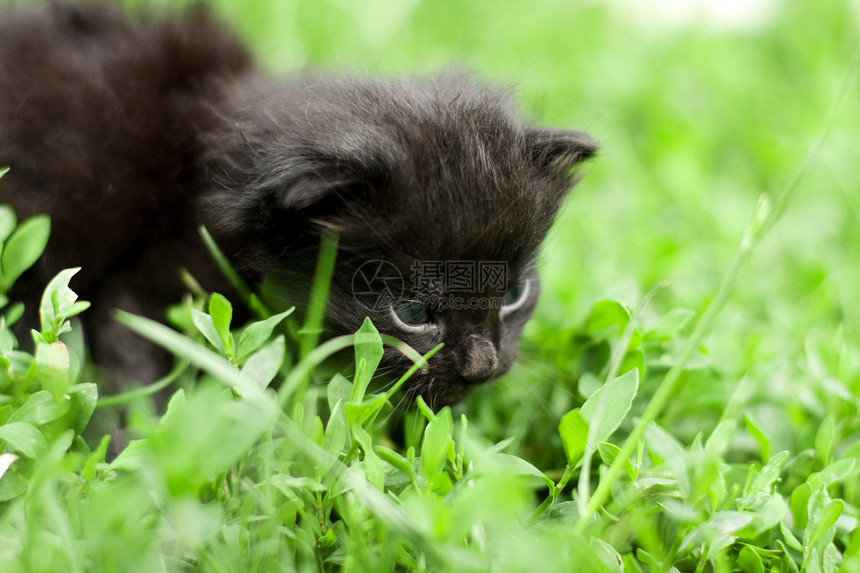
<point>559,150</point>
<point>324,178</point>
<point>310,186</point>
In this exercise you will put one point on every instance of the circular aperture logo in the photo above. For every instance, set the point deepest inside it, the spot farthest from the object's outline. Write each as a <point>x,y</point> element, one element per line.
<point>377,285</point>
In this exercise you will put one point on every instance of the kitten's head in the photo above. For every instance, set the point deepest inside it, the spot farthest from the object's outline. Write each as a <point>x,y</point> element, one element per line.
<point>440,197</point>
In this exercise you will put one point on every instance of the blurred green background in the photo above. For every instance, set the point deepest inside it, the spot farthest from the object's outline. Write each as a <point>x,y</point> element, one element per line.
<point>701,107</point>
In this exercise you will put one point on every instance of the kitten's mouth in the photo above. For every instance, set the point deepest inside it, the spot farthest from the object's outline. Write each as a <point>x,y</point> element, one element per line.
<point>450,377</point>
<point>439,392</point>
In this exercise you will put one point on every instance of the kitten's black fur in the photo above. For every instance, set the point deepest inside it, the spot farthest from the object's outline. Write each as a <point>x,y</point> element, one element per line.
<point>130,136</point>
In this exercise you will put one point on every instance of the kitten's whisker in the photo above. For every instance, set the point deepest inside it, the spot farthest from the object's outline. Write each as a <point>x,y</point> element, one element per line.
<point>538,346</point>
<point>386,369</point>
<point>388,385</point>
<point>541,400</point>
<point>384,421</point>
<point>380,373</point>
<point>358,215</point>
<point>538,367</point>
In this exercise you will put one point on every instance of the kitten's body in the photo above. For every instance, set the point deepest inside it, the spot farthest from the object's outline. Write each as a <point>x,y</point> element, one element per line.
<point>130,137</point>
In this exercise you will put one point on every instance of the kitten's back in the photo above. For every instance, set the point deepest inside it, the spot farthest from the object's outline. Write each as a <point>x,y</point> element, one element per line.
<point>98,122</point>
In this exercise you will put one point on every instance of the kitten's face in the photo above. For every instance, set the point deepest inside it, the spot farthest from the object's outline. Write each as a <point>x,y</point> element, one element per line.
<point>478,318</point>
<point>440,197</point>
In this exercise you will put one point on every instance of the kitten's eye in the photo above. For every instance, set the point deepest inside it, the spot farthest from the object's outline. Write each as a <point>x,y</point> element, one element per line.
<point>516,296</point>
<point>411,314</point>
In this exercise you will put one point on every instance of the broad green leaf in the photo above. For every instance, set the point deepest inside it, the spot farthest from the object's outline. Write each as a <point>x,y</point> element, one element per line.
<point>293,486</point>
<point>750,561</point>
<point>758,435</point>
<point>766,514</point>
<point>631,565</point>
<point>799,504</point>
<point>664,447</point>
<point>414,428</point>
<point>58,305</point>
<point>852,549</point>
<point>606,409</point>
<point>437,444</point>
<point>831,558</point>
<point>206,326</point>
<point>368,353</point>
<point>359,413</point>
<point>40,408</point>
<point>337,431</point>
<point>647,558</point>
<point>53,366</point>
<point>608,315</point>
<point>402,472</point>
<point>372,464</point>
<point>827,520</point>
<point>812,564</point>
<point>787,557</point>
<point>789,537</point>
<point>136,455</point>
<point>175,407</point>
<point>720,525</point>
<point>607,554</point>
<point>83,401</point>
<point>317,434</point>
<point>263,366</point>
<point>7,221</point>
<point>257,333</point>
<point>338,389</point>
<point>14,312</point>
<point>171,340</point>
<point>425,410</point>
<point>12,485</point>
<point>95,459</point>
<point>573,429</point>
<point>24,438</point>
<point>769,473</point>
<point>211,431</point>
<point>23,248</point>
<point>75,309</point>
<point>681,512</point>
<point>519,466</point>
<point>358,390</point>
<point>824,440</point>
<point>837,471</point>
<point>719,440</point>
<point>633,360</point>
<point>221,312</point>
<point>608,453</point>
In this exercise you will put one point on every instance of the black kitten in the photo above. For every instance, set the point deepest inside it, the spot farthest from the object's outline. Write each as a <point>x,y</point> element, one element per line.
<point>130,136</point>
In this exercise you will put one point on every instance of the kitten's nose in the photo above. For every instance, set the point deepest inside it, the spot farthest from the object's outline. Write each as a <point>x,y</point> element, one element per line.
<point>478,359</point>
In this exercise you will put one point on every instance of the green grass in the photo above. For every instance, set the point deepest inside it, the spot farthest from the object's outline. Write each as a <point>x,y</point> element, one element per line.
<point>714,428</point>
